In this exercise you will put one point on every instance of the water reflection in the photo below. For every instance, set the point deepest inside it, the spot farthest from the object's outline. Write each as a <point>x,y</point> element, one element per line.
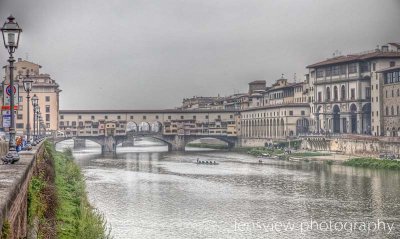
<point>146,192</point>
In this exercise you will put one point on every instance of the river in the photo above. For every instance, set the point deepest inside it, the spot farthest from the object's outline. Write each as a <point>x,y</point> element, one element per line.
<point>145,192</point>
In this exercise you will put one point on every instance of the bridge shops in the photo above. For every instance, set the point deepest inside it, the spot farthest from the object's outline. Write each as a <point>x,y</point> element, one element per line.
<point>176,128</point>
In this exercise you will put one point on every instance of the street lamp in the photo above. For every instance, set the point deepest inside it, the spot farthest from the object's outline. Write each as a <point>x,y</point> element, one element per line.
<point>35,101</point>
<point>11,33</point>
<point>28,88</point>
<point>39,118</point>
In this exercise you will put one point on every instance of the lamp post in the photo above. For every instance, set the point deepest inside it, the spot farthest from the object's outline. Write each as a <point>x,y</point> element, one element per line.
<point>28,88</point>
<point>35,100</point>
<point>37,124</point>
<point>11,33</point>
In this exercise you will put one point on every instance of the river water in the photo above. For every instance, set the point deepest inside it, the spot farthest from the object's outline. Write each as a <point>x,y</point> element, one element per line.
<point>145,192</point>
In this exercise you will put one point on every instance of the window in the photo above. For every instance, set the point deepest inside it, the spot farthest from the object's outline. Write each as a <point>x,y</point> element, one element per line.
<point>47,108</point>
<point>61,123</point>
<point>119,117</point>
<point>364,66</point>
<point>335,93</point>
<point>19,116</point>
<point>353,93</point>
<point>303,112</point>
<point>47,117</point>
<point>319,96</point>
<point>352,68</point>
<point>219,116</point>
<point>290,112</point>
<point>20,99</point>
<point>20,125</point>
<point>156,116</point>
<point>387,110</point>
<point>169,117</point>
<point>144,117</point>
<point>73,123</point>
<point>106,117</point>
<point>182,117</point>
<point>392,63</point>
<point>62,117</point>
<point>206,116</point>
<point>328,71</point>
<point>47,98</point>
<point>392,111</point>
<point>343,69</point>
<point>367,92</point>
<point>131,117</point>
<point>194,117</point>
<point>231,116</point>
<point>320,73</point>
<point>343,93</point>
<point>335,70</point>
<point>373,66</point>
<point>92,117</point>
<point>328,94</point>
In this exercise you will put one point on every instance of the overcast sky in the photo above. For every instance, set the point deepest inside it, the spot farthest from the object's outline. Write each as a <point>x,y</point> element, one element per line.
<point>149,54</point>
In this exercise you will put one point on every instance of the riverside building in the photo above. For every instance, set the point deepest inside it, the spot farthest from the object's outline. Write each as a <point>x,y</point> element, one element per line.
<point>46,89</point>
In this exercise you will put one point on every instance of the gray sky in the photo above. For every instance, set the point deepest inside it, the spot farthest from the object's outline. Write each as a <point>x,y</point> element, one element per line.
<point>149,54</point>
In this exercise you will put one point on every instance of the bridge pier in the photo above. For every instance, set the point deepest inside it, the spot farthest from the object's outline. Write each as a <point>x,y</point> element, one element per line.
<point>109,145</point>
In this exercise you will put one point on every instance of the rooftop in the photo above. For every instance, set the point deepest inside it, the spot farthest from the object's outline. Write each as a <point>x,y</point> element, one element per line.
<point>357,57</point>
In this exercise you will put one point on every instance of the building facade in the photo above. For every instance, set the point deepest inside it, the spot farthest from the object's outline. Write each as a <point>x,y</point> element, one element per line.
<point>43,86</point>
<point>390,79</point>
<point>345,92</point>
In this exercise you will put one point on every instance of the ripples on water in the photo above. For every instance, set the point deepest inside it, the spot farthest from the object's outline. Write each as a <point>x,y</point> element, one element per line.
<point>145,192</point>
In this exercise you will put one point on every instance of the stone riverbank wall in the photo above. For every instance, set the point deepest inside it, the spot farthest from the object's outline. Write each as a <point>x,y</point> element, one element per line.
<point>14,181</point>
<point>354,144</point>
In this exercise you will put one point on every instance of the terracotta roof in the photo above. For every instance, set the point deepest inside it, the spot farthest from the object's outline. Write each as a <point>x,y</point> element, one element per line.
<point>166,111</point>
<point>358,57</point>
<point>258,82</point>
<point>389,69</point>
<point>395,44</point>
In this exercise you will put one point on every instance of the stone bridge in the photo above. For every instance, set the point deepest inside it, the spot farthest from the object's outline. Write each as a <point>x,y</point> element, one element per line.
<point>176,142</point>
<point>174,127</point>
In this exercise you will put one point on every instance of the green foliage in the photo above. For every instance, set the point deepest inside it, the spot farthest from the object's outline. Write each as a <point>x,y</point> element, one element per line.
<point>259,151</point>
<point>75,217</point>
<point>36,206</point>
<point>329,162</point>
<point>308,154</point>
<point>373,163</point>
<point>6,230</point>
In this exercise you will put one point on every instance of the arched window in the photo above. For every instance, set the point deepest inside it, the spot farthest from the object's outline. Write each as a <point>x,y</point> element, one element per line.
<point>392,111</point>
<point>335,93</point>
<point>387,110</point>
<point>328,94</point>
<point>343,93</point>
